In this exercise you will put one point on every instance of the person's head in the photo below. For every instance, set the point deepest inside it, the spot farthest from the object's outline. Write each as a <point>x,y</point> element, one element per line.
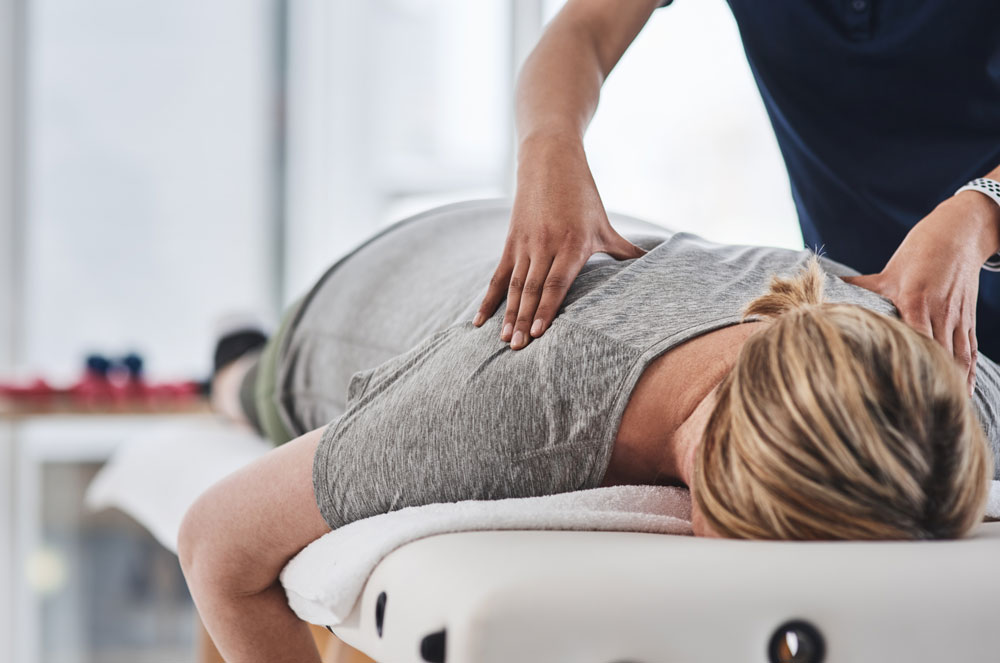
<point>837,422</point>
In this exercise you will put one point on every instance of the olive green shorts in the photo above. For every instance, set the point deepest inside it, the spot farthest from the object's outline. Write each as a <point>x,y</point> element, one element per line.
<point>259,389</point>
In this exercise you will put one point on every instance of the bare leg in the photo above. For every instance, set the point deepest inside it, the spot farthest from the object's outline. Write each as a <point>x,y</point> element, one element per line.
<point>226,383</point>
<point>235,540</point>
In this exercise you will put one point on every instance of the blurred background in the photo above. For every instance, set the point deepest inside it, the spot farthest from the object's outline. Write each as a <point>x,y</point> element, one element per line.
<point>163,165</point>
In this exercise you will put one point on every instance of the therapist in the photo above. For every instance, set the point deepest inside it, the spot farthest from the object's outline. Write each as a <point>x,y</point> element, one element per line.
<point>883,110</point>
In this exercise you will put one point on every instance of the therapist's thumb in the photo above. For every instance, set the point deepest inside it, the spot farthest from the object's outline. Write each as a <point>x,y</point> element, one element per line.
<point>866,281</point>
<point>620,248</point>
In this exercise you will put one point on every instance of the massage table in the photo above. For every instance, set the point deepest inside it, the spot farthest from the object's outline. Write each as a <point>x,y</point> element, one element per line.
<point>610,597</point>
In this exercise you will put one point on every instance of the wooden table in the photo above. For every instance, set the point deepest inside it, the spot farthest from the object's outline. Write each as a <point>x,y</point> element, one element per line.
<point>40,407</point>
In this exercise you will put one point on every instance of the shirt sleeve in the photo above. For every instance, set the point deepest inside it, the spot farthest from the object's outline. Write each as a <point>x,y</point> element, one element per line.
<point>986,399</point>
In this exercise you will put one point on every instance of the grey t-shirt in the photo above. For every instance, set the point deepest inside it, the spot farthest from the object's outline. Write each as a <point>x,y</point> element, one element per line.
<point>423,407</point>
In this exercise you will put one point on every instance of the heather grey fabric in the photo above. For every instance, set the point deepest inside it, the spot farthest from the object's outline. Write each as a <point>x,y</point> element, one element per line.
<point>423,407</point>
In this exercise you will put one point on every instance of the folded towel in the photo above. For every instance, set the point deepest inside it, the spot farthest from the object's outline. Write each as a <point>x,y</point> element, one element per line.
<point>993,503</point>
<point>324,580</point>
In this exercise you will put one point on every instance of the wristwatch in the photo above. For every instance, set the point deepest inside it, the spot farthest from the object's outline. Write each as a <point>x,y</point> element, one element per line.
<point>992,189</point>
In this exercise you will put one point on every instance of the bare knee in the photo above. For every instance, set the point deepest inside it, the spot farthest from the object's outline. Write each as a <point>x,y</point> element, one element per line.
<point>187,537</point>
<point>227,384</point>
<point>192,549</point>
<point>214,557</point>
<point>235,539</point>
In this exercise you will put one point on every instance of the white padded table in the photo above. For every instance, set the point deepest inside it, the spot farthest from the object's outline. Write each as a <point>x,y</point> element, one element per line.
<point>609,597</point>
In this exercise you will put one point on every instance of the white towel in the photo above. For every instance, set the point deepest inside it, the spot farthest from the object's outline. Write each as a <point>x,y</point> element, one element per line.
<point>324,580</point>
<point>993,503</point>
<point>157,476</point>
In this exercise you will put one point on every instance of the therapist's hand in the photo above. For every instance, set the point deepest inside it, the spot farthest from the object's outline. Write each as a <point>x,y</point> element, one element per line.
<point>557,223</point>
<point>933,277</point>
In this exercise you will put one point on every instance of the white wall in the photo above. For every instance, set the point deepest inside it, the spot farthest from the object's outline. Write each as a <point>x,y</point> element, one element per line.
<point>10,54</point>
<point>9,75</point>
<point>394,106</point>
<point>150,178</point>
<point>330,203</point>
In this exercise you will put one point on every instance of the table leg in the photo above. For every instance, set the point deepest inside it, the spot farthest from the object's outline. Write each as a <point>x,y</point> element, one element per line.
<point>331,648</point>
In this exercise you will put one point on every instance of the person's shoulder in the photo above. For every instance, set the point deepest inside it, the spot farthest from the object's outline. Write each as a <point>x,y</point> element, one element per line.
<point>986,400</point>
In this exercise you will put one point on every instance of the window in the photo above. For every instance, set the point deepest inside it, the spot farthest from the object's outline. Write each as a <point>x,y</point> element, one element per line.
<point>150,178</point>
<point>681,137</point>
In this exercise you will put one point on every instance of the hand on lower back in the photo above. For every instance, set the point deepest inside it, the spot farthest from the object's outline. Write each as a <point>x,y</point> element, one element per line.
<point>557,223</point>
<point>933,279</point>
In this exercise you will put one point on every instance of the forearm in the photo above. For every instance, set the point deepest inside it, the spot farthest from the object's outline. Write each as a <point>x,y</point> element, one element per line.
<point>559,85</point>
<point>985,214</point>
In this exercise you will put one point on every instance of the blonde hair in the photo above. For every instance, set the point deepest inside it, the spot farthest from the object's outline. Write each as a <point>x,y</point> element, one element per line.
<point>837,422</point>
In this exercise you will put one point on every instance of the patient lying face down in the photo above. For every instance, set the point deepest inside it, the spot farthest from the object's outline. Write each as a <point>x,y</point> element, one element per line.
<point>808,413</point>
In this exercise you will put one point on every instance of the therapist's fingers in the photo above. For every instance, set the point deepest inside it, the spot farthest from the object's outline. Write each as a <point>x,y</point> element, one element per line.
<point>871,282</point>
<point>951,324</point>
<point>974,356</point>
<point>496,292</point>
<point>916,314</point>
<point>517,279</point>
<point>943,331</point>
<point>530,294</point>
<point>564,269</point>
<point>964,345</point>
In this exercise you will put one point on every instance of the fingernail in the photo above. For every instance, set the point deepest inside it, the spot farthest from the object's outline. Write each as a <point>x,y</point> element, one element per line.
<point>478,320</point>
<point>536,327</point>
<point>518,338</point>
<point>507,329</point>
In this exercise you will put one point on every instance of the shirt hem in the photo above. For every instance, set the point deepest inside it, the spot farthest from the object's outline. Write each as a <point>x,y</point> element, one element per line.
<point>320,476</point>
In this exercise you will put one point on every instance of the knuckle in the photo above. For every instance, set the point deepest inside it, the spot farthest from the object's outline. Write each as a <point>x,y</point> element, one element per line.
<point>516,283</point>
<point>558,282</point>
<point>532,287</point>
<point>542,237</point>
<point>580,251</point>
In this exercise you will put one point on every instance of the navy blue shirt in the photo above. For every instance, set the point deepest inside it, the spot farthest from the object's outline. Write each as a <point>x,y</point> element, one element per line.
<point>882,109</point>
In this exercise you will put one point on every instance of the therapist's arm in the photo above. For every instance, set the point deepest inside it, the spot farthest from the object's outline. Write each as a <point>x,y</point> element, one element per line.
<point>933,277</point>
<point>558,220</point>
